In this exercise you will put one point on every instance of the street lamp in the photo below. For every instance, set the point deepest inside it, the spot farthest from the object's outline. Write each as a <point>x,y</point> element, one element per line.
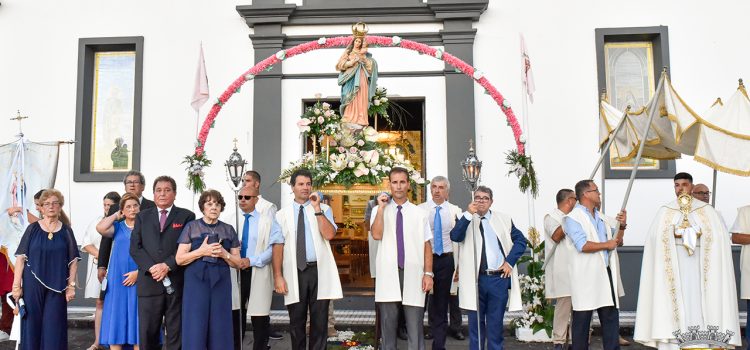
<point>235,166</point>
<point>472,171</point>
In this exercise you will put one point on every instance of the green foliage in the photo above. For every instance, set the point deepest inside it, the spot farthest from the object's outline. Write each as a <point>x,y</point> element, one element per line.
<point>195,165</point>
<point>523,167</point>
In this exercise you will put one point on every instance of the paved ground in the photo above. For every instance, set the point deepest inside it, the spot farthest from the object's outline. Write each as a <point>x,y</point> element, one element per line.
<point>81,338</point>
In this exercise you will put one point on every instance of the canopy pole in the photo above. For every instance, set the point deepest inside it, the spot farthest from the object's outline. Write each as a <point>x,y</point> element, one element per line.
<point>604,149</point>
<point>713,189</point>
<point>644,139</point>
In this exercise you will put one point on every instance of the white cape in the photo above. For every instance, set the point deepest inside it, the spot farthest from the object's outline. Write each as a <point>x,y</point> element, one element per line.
<point>661,310</point>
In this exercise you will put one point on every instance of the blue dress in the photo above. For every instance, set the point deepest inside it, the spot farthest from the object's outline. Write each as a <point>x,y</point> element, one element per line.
<point>45,278</point>
<point>207,292</point>
<point>120,313</point>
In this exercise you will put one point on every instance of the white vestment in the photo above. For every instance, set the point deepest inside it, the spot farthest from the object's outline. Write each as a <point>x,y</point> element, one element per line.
<point>742,225</point>
<point>416,232</point>
<point>590,288</point>
<point>678,290</point>
<point>329,284</point>
<point>468,266</point>
<point>557,256</point>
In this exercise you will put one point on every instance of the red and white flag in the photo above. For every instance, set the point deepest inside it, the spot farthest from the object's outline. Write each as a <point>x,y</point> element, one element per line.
<point>200,92</point>
<point>528,76</point>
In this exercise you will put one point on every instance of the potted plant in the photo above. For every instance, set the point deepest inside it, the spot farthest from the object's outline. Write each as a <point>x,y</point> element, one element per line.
<point>535,322</point>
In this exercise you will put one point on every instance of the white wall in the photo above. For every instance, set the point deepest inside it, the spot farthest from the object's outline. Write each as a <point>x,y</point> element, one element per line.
<point>38,71</point>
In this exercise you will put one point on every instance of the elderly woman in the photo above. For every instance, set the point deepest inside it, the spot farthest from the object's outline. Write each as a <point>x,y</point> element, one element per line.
<point>45,271</point>
<point>208,247</point>
<point>90,245</point>
<point>120,316</point>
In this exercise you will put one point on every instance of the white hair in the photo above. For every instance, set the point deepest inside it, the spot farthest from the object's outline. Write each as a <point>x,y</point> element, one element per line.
<point>442,179</point>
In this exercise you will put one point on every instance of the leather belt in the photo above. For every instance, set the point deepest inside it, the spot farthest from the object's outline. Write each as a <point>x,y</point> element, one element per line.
<point>442,255</point>
<point>312,263</point>
<point>492,272</point>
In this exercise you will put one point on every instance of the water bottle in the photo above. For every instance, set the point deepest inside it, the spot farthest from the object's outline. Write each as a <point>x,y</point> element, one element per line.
<point>168,285</point>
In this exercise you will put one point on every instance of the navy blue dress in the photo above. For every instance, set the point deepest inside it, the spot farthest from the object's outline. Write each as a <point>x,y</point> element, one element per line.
<point>207,292</point>
<point>45,278</point>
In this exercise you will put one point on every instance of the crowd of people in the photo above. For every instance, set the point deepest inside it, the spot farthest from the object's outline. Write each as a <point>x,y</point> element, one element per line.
<point>161,277</point>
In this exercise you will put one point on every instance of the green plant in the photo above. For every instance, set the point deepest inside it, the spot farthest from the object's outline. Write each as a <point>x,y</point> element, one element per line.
<point>523,167</point>
<point>538,312</point>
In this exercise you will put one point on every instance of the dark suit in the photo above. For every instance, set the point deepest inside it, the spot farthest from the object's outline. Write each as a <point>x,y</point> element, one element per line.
<point>150,246</point>
<point>105,247</point>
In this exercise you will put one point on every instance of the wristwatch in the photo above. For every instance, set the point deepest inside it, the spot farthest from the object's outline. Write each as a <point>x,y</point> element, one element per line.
<point>72,284</point>
<point>429,274</point>
<point>229,255</point>
<point>320,213</point>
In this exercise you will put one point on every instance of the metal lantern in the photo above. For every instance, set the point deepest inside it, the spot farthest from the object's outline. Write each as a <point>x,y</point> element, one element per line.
<point>235,166</point>
<point>472,169</point>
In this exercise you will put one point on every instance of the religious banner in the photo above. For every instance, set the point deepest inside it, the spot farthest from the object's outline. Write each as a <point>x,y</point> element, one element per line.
<point>29,167</point>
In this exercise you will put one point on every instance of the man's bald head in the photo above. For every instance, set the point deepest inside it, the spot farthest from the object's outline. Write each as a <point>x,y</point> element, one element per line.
<point>248,198</point>
<point>249,191</point>
<point>701,192</point>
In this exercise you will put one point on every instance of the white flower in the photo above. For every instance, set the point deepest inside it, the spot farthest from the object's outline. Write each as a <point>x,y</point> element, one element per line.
<point>374,171</point>
<point>361,170</point>
<point>322,41</point>
<point>360,143</point>
<point>522,138</point>
<point>396,40</point>
<point>539,319</point>
<point>477,74</point>
<point>371,135</point>
<point>506,104</point>
<point>328,112</point>
<point>317,111</point>
<point>353,150</point>
<point>371,157</point>
<point>439,54</point>
<point>249,76</point>
<point>350,165</point>
<point>303,125</point>
<point>384,99</point>
<point>281,54</point>
<point>376,102</point>
<point>326,106</point>
<point>321,119</point>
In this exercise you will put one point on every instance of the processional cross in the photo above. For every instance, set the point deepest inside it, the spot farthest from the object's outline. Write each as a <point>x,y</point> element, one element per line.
<point>19,118</point>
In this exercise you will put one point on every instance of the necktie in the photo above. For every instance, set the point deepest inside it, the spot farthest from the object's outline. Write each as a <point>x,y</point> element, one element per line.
<point>483,262</point>
<point>400,237</point>
<point>245,233</point>
<point>162,219</point>
<point>438,228</point>
<point>301,249</point>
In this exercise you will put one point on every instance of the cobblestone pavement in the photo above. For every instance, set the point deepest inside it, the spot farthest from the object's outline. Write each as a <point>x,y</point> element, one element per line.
<point>81,338</point>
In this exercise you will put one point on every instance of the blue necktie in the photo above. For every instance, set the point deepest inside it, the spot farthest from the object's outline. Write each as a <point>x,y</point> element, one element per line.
<point>245,233</point>
<point>438,228</point>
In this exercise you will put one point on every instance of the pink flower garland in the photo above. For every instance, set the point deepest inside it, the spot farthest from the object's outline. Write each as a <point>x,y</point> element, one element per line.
<point>344,41</point>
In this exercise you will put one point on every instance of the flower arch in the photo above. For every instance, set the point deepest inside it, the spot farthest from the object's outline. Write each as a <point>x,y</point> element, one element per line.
<point>517,159</point>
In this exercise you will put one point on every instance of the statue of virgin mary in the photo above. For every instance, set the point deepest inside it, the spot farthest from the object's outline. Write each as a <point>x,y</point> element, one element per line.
<point>358,76</point>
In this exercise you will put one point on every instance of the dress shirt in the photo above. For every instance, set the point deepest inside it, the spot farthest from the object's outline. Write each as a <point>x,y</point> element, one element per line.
<point>448,220</point>
<point>575,231</point>
<point>492,251</point>
<point>264,258</point>
<point>309,244</point>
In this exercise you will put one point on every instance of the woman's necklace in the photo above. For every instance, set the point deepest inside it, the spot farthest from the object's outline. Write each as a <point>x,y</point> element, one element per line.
<point>47,228</point>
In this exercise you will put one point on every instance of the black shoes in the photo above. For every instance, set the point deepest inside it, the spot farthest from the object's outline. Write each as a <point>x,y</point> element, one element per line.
<point>402,334</point>
<point>275,335</point>
<point>428,336</point>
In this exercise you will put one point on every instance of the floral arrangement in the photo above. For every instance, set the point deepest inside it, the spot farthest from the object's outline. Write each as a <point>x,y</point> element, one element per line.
<point>354,156</point>
<point>522,166</point>
<point>538,312</point>
<point>380,104</point>
<point>351,340</point>
<point>195,166</point>
<point>372,40</point>
<point>319,119</point>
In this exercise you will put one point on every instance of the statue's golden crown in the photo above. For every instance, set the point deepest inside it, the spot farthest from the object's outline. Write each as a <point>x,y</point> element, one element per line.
<point>359,29</point>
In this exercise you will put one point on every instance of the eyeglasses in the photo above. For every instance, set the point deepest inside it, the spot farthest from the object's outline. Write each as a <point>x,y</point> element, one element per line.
<point>132,182</point>
<point>701,193</point>
<point>482,199</point>
<point>247,198</point>
<point>51,204</point>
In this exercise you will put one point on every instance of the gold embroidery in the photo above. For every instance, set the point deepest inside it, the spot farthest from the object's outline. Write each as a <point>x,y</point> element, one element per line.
<point>707,240</point>
<point>666,243</point>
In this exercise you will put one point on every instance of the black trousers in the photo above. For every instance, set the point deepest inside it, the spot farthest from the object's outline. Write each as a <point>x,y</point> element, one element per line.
<point>456,318</point>
<point>443,268</point>
<point>308,301</point>
<point>261,324</point>
<point>151,311</point>
<point>609,317</point>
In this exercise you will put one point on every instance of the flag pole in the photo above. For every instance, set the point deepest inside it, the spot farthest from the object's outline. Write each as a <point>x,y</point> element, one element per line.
<point>525,91</point>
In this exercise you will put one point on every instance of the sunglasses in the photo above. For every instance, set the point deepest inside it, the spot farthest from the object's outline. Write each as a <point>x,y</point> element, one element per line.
<point>247,198</point>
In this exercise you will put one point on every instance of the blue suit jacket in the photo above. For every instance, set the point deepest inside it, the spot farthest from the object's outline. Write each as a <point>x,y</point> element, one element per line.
<point>458,234</point>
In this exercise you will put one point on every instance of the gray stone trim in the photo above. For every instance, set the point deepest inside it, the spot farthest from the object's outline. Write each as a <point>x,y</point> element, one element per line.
<point>659,36</point>
<point>86,49</point>
<point>427,38</point>
<point>407,74</point>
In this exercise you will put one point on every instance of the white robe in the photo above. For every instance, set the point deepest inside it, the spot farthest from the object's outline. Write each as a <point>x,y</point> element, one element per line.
<point>92,237</point>
<point>666,270</point>
<point>329,284</point>
<point>416,233</point>
<point>468,267</point>
<point>557,256</point>
<point>261,280</point>
<point>742,225</point>
<point>589,282</point>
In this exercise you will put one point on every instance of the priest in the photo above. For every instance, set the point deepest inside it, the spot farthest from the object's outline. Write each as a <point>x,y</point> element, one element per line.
<point>687,277</point>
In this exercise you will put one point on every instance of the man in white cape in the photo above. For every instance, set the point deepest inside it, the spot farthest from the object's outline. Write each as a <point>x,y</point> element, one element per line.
<point>741,235</point>
<point>557,251</point>
<point>687,282</point>
<point>304,269</point>
<point>404,261</point>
